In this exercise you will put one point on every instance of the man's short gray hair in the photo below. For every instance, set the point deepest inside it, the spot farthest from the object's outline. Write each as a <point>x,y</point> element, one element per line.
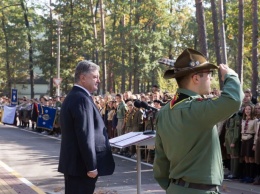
<point>84,67</point>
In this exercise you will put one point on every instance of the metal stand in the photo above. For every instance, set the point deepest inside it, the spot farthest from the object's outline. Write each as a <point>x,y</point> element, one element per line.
<point>150,132</point>
<point>115,142</point>
<point>138,166</point>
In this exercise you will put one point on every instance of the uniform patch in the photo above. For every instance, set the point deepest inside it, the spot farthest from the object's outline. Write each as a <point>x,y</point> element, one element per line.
<point>172,103</point>
<point>200,99</point>
<point>177,99</point>
<point>203,99</point>
<point>215,98</point>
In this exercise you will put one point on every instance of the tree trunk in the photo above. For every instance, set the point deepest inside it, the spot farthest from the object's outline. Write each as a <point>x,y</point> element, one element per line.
<point>222,33</point>
<point>154,72</point>
<point>216,36</point>
<point>51,52</point>
<point>27,24</point>
<point>130,75</point>
<point>8,72</point>
<point>240,40</point>
<point>201,27</point>
<point>123,42</point>
<point>130,48</point>
<point>254,48</point>
<point>95,51</point>
<point>136,54</point>
<point>170,55</point>
<point>135,70</point>
<point>104,68</point>
<point>94,16</point>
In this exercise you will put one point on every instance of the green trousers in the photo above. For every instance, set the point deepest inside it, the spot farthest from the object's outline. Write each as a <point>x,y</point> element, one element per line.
<point>234,166</point>
<point>176,189</point>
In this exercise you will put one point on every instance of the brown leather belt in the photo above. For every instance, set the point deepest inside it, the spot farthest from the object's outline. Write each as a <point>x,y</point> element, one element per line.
<point>198,186</point>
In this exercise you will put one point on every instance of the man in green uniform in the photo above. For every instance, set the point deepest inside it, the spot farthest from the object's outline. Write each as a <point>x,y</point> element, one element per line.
<point>187,150</point>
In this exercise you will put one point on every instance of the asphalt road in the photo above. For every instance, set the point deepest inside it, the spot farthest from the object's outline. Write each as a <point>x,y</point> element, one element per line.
<point>35,157</point>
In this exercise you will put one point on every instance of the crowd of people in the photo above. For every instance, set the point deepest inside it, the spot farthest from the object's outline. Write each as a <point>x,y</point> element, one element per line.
<point>240,139</point>
<point>118,111</point>
<point>28,111</point>
<point>122,114</point>
<point>239,134</point>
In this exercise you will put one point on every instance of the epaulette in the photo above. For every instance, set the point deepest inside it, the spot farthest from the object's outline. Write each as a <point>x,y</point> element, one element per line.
<point>177,99</point>
<point>172,102</point>
<point>212,97</point>
<point>205,99</point>
<point>200,99</point>
<point>215,98</point>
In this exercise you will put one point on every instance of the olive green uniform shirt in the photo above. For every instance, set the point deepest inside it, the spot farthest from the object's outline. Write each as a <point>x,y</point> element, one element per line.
<point>138,121</point>
<point>232,135</point>
<point>121,110</point>
<point>187,143</point>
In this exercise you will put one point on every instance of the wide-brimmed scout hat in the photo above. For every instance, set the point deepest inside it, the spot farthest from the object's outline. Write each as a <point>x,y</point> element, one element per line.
<point>189,61</point>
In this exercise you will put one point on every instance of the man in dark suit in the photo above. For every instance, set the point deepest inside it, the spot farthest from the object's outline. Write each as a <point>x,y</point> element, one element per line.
<point>85,152</point>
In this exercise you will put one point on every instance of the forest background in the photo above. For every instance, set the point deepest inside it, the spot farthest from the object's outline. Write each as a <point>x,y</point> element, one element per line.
<point>126,38</point>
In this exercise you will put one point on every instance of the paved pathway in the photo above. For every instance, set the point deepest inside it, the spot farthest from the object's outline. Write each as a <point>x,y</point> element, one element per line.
<point>35,157</point>
<point>13,183</point>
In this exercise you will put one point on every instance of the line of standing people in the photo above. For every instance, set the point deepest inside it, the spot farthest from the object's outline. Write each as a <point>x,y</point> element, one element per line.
<point>242,141</point>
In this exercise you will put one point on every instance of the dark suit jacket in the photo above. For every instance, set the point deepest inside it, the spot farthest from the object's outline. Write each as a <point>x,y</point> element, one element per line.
<point>84,143</point>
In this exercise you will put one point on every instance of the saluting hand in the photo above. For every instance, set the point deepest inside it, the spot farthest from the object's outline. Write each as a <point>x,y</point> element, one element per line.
<point>224,69</point>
